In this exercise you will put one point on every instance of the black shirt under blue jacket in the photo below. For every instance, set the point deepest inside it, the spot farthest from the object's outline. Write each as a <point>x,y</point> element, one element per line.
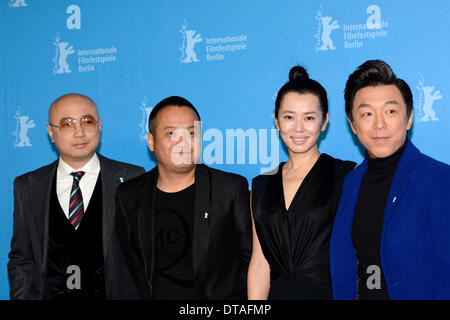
<point>368,225</point>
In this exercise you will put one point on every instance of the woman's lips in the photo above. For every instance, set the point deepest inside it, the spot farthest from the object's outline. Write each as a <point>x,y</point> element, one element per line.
<point>299,140</point>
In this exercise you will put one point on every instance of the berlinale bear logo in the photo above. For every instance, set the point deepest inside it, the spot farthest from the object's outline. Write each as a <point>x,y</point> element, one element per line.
<point>22,127</point>
<point>190,39</point>
<point>430,97</point>
<point>323,35</point>
<point>60,59</point>
<point>326,25</point>
<point>426,99</point>
<point>327,28</point>
<point>145,116</point>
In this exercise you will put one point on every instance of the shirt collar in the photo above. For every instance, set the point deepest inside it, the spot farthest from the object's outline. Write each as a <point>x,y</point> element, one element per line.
<point>92,167</point>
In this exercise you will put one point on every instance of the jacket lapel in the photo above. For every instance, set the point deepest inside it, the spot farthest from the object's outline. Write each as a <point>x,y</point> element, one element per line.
<point>353,192</point>
<point>342,252</point>
<point>202,215</point>
<point>41,188</point>
<point>110,176</point>
<point>402,177</point>
<point>146,221</point>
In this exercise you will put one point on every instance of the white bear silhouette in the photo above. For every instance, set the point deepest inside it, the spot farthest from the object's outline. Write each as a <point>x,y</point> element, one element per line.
<point>327,28</point>
<point>145,116</point>
<point>191,42</point>
<point>25,125</point>
<point>64,51</point>
<point>429,98</point>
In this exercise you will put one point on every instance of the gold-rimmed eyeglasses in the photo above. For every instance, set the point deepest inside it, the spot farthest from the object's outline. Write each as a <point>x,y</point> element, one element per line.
<point>67,125</point>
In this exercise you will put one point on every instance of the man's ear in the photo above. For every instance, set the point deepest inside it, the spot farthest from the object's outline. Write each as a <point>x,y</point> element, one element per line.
<point>151,141</point>
<point>50,133</point>
<point>351,125</point>
<point>410,120</point>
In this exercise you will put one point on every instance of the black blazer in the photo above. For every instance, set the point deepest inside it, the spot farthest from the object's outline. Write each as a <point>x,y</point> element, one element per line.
<point>221,243</point>
<point>27,263</point>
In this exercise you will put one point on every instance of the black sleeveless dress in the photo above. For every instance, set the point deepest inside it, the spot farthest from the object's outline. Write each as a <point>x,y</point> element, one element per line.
<point>296,242</point>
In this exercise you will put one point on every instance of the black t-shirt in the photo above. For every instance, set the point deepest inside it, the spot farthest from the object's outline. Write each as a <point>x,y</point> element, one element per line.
<point>173,277</point>
<point>368,225</point>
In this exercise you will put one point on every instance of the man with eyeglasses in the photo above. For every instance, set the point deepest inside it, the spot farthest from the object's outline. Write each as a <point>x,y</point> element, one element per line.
<point>64,245</point>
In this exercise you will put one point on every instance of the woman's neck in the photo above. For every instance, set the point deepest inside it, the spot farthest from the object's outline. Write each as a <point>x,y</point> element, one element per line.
<point>298,161</point>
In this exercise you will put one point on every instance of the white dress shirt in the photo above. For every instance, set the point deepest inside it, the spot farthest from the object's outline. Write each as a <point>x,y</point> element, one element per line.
<point>64,181</point>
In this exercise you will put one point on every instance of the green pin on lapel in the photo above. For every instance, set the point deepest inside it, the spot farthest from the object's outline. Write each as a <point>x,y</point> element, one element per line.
<point>206,215</point>
<point>121,179</point>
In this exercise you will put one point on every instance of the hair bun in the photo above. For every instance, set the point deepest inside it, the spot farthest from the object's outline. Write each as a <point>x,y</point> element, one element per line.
<point>298,73</point>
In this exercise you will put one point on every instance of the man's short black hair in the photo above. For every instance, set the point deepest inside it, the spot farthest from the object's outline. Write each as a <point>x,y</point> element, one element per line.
<point>170,101</point>
<point>374,73</point>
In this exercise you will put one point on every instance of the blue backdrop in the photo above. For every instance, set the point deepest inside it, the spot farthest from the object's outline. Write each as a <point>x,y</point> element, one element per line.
<point>229,58</point>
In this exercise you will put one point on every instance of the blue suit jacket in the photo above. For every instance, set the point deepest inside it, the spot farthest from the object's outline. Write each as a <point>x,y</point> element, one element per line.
<point>415,241</point>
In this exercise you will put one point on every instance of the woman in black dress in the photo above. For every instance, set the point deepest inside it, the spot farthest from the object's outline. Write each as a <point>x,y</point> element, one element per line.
<point>293,209</point>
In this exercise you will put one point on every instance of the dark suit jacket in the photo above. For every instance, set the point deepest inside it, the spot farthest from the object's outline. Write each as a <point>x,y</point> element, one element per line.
<point>29,245</point>
<point>221,243</point>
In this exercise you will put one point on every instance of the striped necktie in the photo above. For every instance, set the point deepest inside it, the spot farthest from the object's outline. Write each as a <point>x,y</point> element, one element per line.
<point>76,208</point>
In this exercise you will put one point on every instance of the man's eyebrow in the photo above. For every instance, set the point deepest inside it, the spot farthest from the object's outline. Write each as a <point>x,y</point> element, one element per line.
<point>175,127</point>
<point>83,116</point>
<point>394,102</point>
